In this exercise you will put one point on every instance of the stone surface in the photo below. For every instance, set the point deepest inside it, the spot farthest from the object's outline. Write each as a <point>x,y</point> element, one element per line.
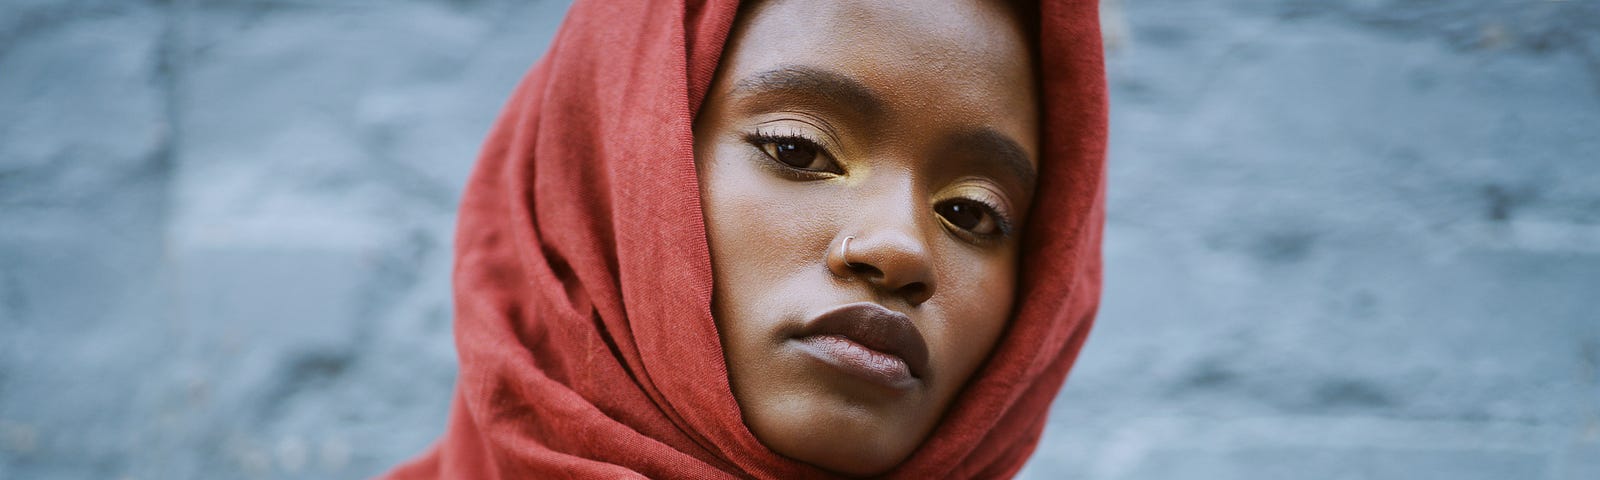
<point>225,228</point>
<point>1347,239</point>
<point>1354,239</point>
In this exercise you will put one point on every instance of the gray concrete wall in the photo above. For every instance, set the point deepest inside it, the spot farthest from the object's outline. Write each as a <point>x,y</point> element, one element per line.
<point>1347,239</point>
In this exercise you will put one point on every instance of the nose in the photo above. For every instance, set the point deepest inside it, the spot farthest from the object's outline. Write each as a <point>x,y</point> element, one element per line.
<point>892,260</point>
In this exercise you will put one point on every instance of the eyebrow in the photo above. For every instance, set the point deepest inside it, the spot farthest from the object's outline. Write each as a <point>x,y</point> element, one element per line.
<point>835,87</point>
<point>1010,154</point>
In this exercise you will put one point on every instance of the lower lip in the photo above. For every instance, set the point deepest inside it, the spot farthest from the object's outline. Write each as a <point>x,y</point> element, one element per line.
<point>872,365</point>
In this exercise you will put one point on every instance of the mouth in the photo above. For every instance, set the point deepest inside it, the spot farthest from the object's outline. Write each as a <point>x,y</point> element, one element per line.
<point>872,342</point>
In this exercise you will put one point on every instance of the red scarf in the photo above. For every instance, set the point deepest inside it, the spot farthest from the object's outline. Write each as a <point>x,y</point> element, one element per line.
<point>583,282</point>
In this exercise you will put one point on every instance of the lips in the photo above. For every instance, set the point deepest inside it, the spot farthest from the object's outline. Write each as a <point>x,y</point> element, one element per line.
<point>868,340</point>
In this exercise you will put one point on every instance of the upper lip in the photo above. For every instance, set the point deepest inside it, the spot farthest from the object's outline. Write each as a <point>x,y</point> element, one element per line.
<point>874,327</point>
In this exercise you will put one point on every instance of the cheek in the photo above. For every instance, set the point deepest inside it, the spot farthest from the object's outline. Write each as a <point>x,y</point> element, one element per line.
<point>976,307</point>
<point>767,239</point>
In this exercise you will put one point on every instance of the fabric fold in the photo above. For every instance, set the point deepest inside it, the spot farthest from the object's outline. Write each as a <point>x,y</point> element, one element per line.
<point>583,282</point>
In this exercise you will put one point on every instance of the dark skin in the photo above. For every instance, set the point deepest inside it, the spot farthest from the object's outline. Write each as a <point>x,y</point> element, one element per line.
<point>912,129</point>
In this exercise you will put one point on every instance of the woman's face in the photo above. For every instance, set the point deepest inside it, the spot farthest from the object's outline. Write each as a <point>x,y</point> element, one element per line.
<point>908,128</point>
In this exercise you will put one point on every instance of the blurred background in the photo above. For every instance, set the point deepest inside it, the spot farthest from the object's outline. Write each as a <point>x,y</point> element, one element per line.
<point>1347,238</point>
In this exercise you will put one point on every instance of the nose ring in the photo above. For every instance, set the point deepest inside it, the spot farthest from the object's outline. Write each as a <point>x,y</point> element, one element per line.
<point>844,249</point>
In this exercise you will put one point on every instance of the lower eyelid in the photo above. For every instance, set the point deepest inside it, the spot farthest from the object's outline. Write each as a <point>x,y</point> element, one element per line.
<point>1001,221</point>
<point>776,166</point>
<point>760,140</point>
<point>993,207</point>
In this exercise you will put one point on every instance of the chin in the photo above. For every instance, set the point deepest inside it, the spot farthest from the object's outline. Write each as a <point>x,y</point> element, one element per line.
<point>833,434</point>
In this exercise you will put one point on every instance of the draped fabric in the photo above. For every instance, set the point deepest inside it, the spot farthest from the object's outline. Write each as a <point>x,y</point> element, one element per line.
<point>583,282</point>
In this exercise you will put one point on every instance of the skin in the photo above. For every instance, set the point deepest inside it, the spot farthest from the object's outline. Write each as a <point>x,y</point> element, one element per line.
<point>927,161</point>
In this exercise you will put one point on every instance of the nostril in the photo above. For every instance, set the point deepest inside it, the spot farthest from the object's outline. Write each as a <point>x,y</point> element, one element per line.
<point>865,270</point>
<point>915,292</point>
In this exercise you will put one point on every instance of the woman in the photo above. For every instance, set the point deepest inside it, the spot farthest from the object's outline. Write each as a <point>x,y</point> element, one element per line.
<point>806,240</point>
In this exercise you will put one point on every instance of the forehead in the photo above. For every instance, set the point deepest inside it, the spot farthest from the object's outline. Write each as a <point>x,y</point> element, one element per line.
<point>945,62</point>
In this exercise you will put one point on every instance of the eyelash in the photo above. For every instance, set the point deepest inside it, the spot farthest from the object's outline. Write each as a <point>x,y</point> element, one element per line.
<point>760,137</point>
<point>757,139</point>
<point>1002,223</point>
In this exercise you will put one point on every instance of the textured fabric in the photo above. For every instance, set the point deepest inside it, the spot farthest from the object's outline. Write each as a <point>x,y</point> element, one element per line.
<point>583,282</point>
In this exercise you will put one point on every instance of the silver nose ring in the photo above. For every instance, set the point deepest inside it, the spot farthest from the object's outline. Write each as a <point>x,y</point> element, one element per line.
<point>844,249</point>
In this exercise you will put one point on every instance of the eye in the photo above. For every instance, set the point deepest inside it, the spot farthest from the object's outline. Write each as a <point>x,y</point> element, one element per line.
<point>797,154</point>
<point>970,215</point>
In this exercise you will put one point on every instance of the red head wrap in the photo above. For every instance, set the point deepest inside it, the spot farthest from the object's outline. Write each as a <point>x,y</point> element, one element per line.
<point>583,282</point>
